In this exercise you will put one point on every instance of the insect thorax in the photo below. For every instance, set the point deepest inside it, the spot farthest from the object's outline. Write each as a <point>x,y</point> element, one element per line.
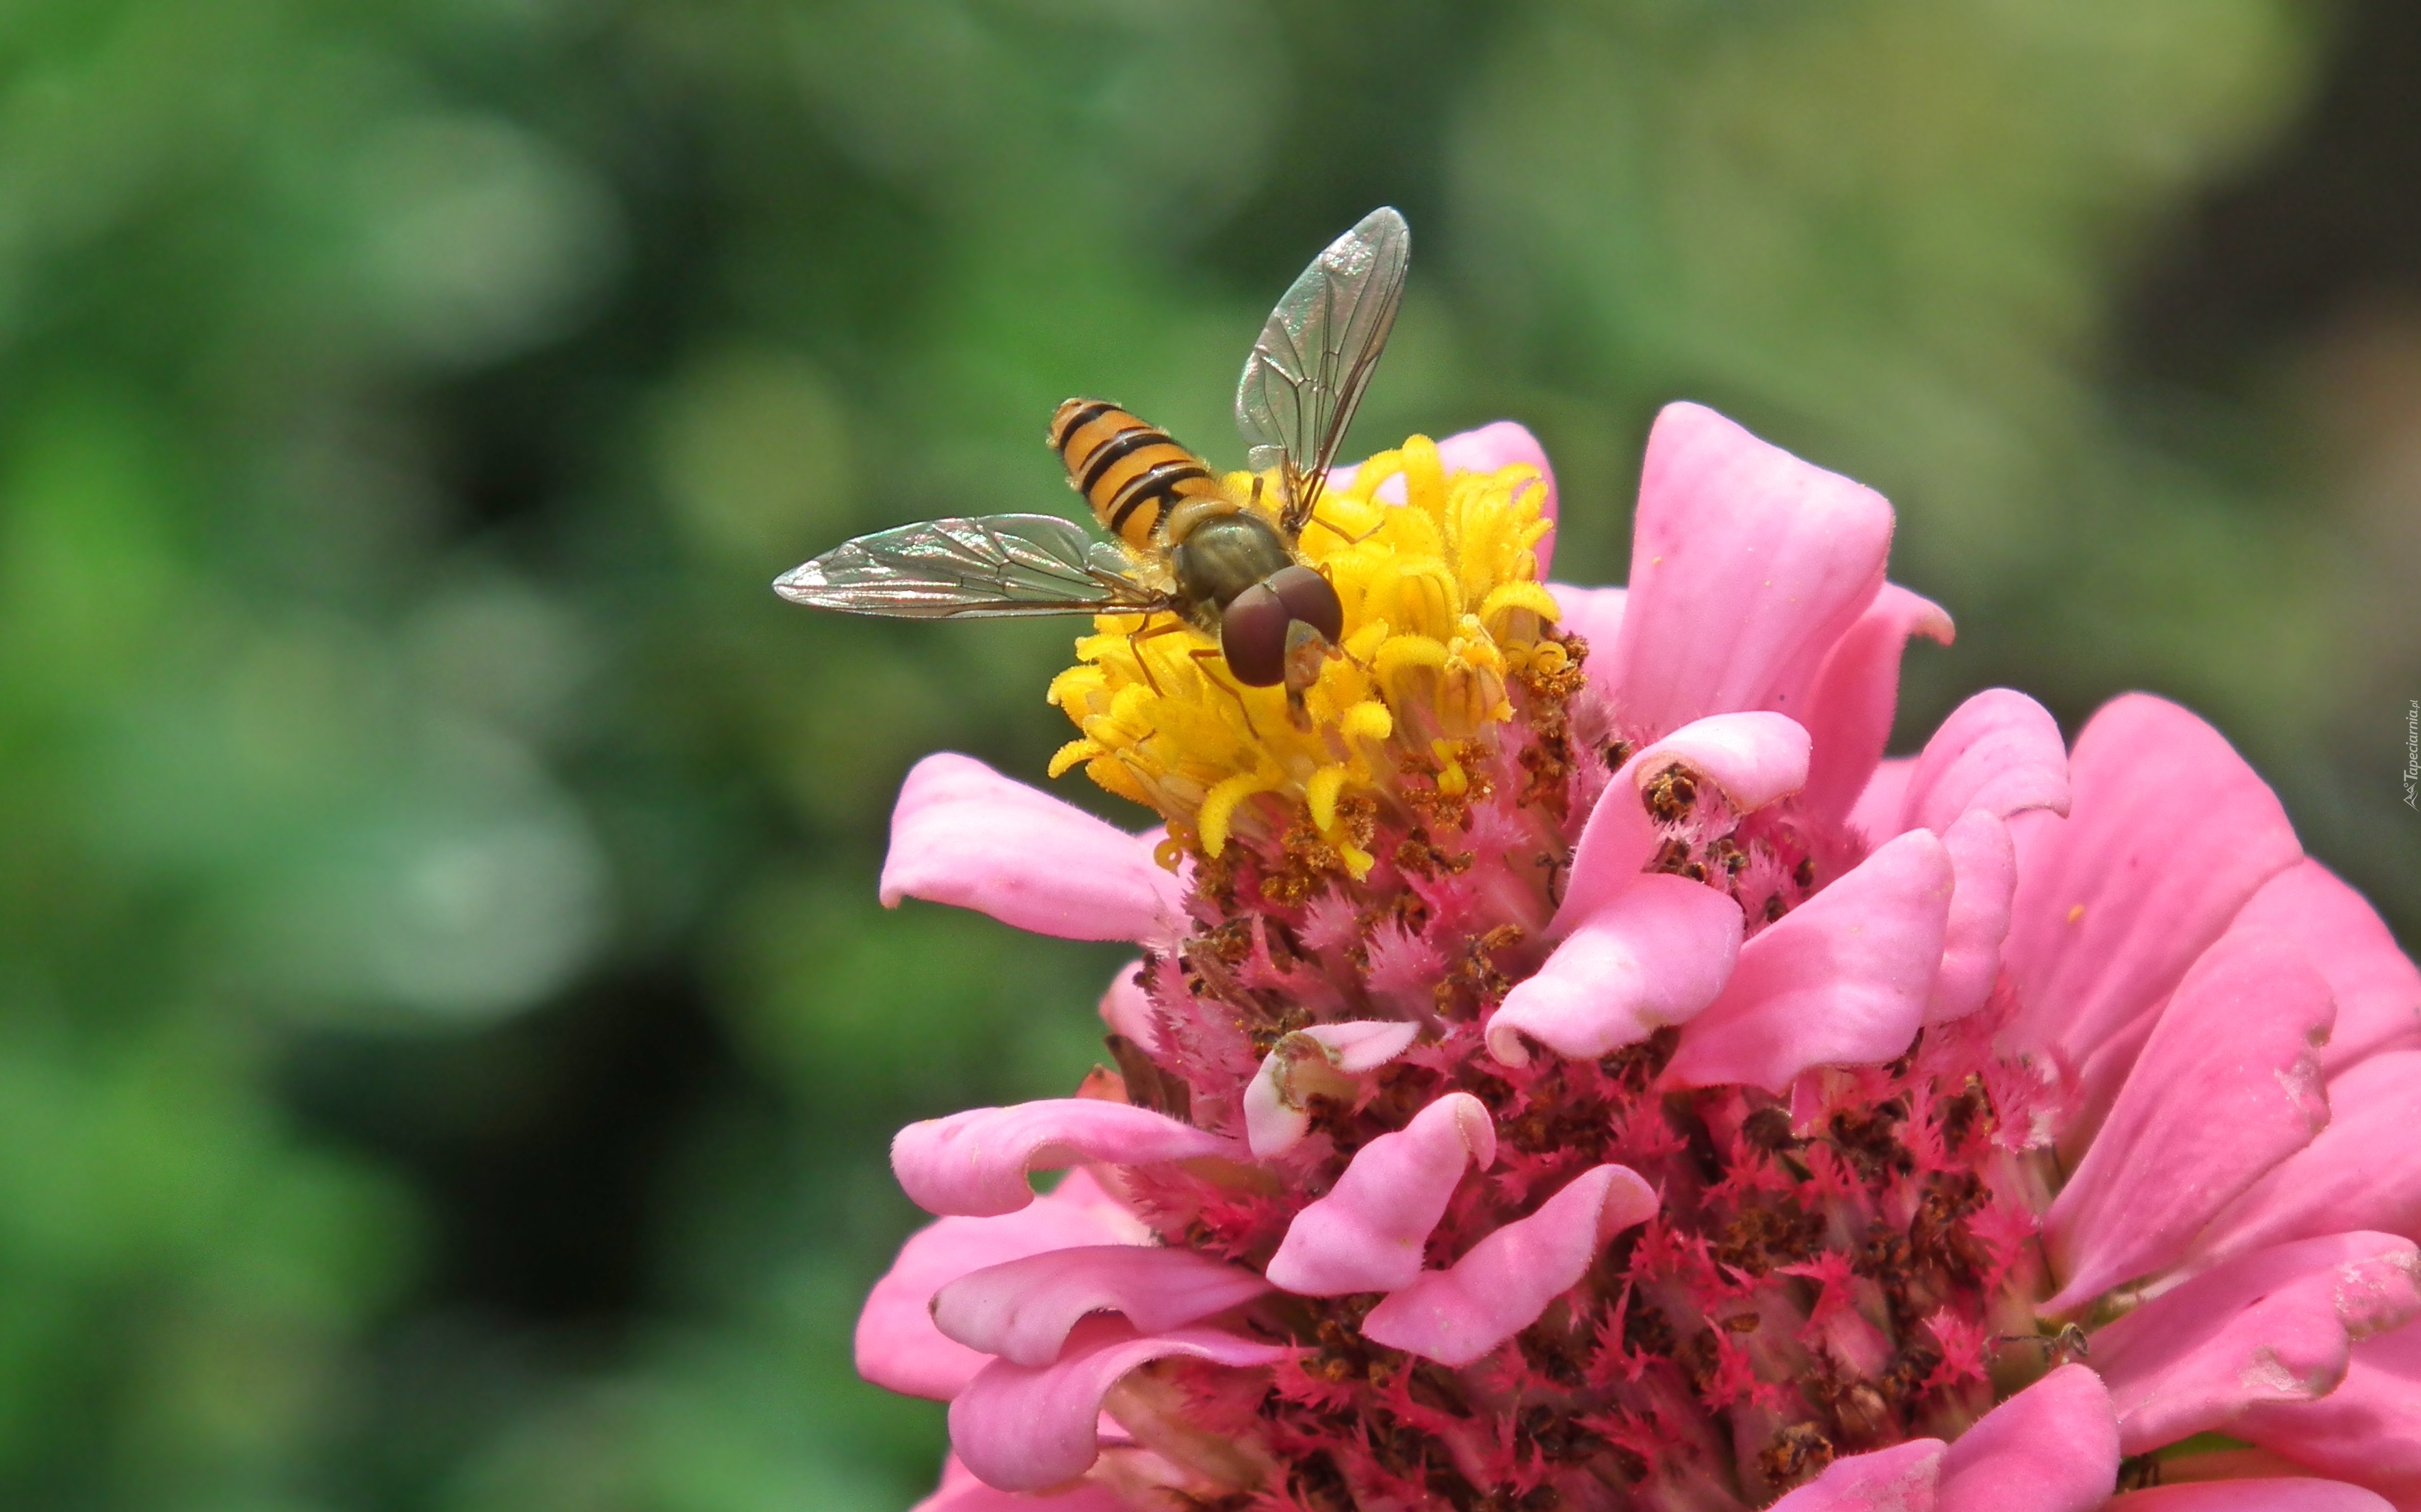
<point>1226,553</point>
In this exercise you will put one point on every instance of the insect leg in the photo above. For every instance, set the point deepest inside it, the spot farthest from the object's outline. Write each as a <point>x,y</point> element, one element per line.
<point>1338,531</point>
<point>1205,656</point>
<point>1134,644</point>
<point>2069,1344</point>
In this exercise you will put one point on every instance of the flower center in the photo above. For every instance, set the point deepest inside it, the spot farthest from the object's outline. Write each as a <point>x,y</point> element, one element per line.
<point>1442,605</point>
<point>1829,1271</point>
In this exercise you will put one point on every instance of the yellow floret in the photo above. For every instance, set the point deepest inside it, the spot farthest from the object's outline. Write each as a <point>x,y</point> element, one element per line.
<point>1442,600</point>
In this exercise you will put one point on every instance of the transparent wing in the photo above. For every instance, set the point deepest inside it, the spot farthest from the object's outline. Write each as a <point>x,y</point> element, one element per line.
<point>1316,355</point>
<point>989,568</point>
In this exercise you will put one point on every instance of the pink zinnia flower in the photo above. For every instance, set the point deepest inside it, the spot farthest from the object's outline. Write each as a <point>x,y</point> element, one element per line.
<point>1578,1071</point>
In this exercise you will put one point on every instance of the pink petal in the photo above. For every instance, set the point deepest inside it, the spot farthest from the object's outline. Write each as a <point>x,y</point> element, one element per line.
<point>1747,564</point>
<point>1126,1010</point>
<point>1502,1282</point>
<point>2170,833</point>
<point>1027,1427</point>
<point>1877,813</point>
<point>1840,980</point>
<point>1901,1478</point>
<point>963,834</point>
<point>1999,751</point>
<point>1022,1309</point>
<point>2274,1326</point>
<point>1614,843</point>
<point>1322,1058</point>
<point>897,1346</point>
<point>1848,712</point>
<point>2281,1494</point>
<point>2363,1171</point>
<point>2052,1447</point>
<point>2378,990</point>
<point>1754,757</point>
<point>1492,448</point>
<point>1497,445</point>
<point>1656,954</point>
<point>2227,1088</point>
<point>2367,1429</point>
<point>1367,1233</point>
<point>1985,867</point>
<point>962,1492</point>
<point>975,1163</point>
<point>1595,615</point>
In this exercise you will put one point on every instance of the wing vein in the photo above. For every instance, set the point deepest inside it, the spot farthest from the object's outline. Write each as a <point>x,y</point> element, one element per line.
<point>1307,372</point>
<point>986,567</point>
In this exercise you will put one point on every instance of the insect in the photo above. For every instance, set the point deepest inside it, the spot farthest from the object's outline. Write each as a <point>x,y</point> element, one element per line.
<point>1187,546</point>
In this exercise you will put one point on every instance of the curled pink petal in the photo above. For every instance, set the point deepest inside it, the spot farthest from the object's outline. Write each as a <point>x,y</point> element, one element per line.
<point>2052,1447</point>
<point>1840,980</point>
<point>1754,757</point>
<point>1902,1478</point>
<point>1027,1427</point>
<point>2000,751</point>
<point>2170,831</point>
<point>897,1346</point>
<point>1502,1282</point>
<point>1984,867</point>
<point>2274,1326</point>
<point>975,1163</point>
<point>2286,1494</point>
<point>2363,1171</point>
<point>2377,987</point>
<point>1022,1309</point>
<point>2369,1430</point>
<point>1747,564</point>
<point>2226,1088</point>
<point>1877,813</point>
<point>1849,712</point>
<point>963,834</point>
<point>1322,1059</point>
<point>960,1491</point>
<point>1367,1233</point>
<point>1657,954</point>
<point>1614,843</point>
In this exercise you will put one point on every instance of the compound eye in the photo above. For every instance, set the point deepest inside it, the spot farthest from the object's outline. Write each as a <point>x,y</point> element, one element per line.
<point>1253,637</point>
<point>1312,599</point>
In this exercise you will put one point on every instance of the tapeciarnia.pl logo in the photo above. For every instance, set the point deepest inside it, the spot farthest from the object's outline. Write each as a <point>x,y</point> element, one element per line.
<point>2412,755</point>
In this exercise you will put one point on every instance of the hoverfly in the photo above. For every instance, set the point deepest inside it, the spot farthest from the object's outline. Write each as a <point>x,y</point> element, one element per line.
<point>1187,546</point>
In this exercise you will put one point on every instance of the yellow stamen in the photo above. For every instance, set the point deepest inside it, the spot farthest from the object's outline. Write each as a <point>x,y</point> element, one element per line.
<point>1076,751</point>
<point>1452,780</point>
<point>1320,794</point>
<point>1219,808</point>
<point>1169,853</point>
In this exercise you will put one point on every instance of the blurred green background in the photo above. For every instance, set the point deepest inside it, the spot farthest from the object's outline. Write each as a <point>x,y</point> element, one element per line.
<point>448,1037</point>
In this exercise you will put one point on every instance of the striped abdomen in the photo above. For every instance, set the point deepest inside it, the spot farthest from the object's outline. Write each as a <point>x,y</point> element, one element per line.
<point>1130,472</point>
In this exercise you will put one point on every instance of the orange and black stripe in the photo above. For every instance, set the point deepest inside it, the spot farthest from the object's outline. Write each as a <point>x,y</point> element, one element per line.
<point>1130,473</point>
